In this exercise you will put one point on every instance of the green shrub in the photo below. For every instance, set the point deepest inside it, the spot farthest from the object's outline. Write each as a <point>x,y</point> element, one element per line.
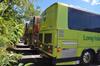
<point>6,59</point>
<point>3,41</point>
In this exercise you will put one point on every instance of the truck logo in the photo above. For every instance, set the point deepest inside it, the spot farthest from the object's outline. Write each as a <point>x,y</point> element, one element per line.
<point>91,38</point>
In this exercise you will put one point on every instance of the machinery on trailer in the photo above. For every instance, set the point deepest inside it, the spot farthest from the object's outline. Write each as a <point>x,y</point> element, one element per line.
<point>69,35</point>
<point>32,31</point>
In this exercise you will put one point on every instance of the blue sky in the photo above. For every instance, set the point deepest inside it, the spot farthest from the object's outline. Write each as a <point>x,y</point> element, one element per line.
<point>90,5</point>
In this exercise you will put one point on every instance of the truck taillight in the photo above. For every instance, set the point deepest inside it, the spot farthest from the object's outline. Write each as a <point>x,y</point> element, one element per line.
<point>59,49</point>
<point>50,49</point>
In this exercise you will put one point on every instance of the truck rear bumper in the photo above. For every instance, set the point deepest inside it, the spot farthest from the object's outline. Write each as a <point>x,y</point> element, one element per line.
<point>54,60</point>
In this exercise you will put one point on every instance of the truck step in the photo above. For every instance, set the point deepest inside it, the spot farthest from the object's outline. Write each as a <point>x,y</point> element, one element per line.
<point>30,59</point>
<point>31,56</point>
<point>21,45</point>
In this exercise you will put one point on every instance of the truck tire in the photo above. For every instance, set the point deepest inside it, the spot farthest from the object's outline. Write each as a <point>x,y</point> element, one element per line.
<point>98,57</point>
<point>87,57</point>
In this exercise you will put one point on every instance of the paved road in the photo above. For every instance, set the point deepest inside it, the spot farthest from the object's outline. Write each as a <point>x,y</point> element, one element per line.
<point>66,65</point>
<point>46,64</point>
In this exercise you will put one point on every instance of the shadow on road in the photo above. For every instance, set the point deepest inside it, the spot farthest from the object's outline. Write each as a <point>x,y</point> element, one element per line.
<point>61,65</point>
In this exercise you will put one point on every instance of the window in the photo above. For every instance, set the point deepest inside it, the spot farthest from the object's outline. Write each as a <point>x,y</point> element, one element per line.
<point>48,38</point>
<point>40,37</point>
<point>81,20</point>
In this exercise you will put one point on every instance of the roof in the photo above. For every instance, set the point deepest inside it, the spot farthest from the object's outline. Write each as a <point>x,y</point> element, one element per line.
<point>72,6</point>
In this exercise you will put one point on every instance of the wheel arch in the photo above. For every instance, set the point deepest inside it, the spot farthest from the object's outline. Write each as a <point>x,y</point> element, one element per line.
<point>89,49</point>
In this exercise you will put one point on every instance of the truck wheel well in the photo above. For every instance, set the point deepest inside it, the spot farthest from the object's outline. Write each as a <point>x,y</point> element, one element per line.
<point>90,50</point>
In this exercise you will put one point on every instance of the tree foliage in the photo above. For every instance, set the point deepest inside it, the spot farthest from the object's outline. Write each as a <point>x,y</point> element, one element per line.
<point>11,24</point>
<point>12,14</point>
<point>7,59</point>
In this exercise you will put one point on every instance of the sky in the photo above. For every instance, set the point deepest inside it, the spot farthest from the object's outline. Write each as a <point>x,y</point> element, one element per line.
<point>89,5</point>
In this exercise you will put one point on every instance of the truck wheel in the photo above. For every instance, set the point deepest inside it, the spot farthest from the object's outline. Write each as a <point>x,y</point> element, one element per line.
<point>98,57</point>
<point>87,57</point>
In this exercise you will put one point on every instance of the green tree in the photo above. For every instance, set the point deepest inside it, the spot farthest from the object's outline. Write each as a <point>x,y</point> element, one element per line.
<point>12,14</point>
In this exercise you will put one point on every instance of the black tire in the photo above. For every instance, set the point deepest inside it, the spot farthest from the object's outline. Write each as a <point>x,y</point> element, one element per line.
<point>98,57</point>
<point>87,57</point>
